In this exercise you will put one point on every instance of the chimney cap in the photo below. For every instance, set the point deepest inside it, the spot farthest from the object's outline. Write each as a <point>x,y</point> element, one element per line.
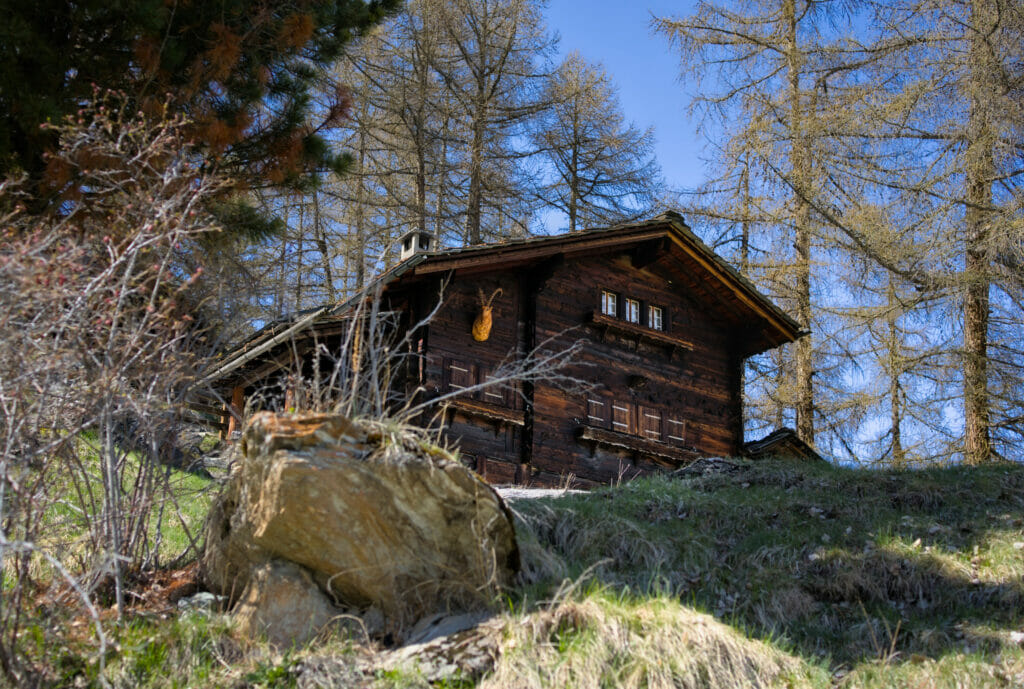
<point>416,242</point>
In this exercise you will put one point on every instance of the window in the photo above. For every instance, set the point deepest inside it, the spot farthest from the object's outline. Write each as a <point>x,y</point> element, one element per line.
<point>609,303</point>
<point>655,318</point>
<point>632,310</point>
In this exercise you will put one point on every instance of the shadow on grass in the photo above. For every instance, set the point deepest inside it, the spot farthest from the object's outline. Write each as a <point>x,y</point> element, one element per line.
<point>849,565</point>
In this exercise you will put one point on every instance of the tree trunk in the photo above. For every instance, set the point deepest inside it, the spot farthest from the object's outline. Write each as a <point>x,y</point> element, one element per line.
<point>574,184</point>
<point>299,250</point>
<point>898,457</point>
<point>802,240</point>
<point>441,174</point>
<point>745,220</point>
<point>360,257</point>
<point>978,174</point>
<point>325,254</point>
<point>421,180</point>
<point>475,174</point>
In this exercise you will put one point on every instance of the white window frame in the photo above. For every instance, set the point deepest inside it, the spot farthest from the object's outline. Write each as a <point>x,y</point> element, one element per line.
<point>609,303</point>
<point>656,317</point>
<point>632,311</point>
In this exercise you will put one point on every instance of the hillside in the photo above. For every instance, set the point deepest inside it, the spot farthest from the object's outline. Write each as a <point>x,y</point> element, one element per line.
<point>758,575</point>
<point>886,578</point>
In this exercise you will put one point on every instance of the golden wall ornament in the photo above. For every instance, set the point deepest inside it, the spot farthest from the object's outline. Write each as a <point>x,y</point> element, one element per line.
<point>483,322</point>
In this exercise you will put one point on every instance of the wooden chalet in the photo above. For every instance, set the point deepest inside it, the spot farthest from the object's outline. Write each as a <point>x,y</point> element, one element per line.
<point>665,326</point>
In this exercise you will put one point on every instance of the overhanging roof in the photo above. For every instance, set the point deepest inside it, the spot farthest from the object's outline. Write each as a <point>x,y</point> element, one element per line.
<point>757,312</point>
<point>764,324</point>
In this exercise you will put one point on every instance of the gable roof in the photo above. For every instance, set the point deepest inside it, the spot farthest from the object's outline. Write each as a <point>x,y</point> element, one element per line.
<point>761,321</point>
<point>761,324</point>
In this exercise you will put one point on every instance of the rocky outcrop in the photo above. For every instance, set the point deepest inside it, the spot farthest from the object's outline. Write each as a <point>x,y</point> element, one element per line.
<point>448,648</point>
<point>282,604</point>
<point>375,516</point>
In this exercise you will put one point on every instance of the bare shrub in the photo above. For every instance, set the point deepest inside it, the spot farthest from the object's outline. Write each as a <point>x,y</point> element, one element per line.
<point>365,374</point>
<point>99,332</point>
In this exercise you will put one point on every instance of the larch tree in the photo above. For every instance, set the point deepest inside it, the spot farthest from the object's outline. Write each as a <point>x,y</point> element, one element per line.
<point>493,67</point>
<point>756,68</point>
<point>413,119</point>
<point>602,169</point>
<point>956,109</point>
<point>897,151</point>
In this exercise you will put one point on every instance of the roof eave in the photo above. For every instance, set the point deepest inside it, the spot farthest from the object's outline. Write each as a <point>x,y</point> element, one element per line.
<point>784,324</point>
<point>784,327</point>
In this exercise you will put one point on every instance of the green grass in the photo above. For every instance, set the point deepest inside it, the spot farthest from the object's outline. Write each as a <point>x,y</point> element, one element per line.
<point>182,501</point>
<point>71,497</point>
<point>862,571</point>
<point>185,511</point>
<point>777,575</point>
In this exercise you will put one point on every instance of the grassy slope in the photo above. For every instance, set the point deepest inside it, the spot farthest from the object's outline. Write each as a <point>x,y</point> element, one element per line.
<point>776,575</point>
<point>842,568</point>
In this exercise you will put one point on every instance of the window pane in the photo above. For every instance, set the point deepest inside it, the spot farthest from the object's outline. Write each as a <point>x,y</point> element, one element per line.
<point>655,318</point>
<point>608,303</point>
<point>632,311</point>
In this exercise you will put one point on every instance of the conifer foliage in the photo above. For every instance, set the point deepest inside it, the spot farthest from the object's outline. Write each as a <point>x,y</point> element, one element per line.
<point>242,71</point>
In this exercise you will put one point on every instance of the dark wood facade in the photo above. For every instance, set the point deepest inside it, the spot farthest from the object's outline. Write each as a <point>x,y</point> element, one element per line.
<point>663,327</point>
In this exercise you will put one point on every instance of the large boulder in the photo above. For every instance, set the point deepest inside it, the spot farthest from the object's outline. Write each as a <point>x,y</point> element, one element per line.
<point>378,516</point>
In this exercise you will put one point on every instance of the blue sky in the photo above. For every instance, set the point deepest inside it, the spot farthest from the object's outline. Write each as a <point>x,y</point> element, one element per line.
<point>618,35</point>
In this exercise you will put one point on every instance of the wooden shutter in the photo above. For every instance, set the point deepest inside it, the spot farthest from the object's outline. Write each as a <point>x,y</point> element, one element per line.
<point>622,417</point>
<point>675,430</point>
<point>495,394</point>
<point>598,412</point>
<point>650,423</point>
<point>460,375</point>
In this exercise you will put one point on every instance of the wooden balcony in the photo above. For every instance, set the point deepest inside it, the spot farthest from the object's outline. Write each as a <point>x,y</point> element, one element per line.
<point>486,410</point>
<point>624,441</point>
<point>638,333</point>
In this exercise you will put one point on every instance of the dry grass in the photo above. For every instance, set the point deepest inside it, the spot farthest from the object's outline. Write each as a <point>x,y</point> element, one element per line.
<point>597,641</point>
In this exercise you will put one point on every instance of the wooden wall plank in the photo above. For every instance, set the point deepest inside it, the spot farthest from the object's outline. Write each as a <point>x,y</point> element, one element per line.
<point>699,387</point>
